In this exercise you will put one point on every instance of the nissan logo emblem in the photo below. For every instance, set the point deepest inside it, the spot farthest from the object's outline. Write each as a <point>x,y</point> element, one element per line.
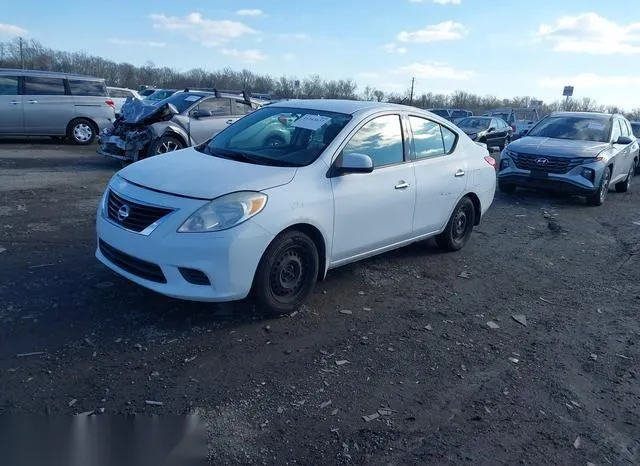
<point>542,161</point>
<point>123,212</point>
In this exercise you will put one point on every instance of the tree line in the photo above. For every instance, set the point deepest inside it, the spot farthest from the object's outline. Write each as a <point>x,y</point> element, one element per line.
<point>31,54</point>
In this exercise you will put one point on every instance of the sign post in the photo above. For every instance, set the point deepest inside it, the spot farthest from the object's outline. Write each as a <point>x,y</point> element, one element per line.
<point>567,92</point>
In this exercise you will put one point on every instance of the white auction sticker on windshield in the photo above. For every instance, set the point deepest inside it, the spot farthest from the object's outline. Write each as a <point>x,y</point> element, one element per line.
<point>193,98</point>
<point>311,122</point>
<point>595,125</point>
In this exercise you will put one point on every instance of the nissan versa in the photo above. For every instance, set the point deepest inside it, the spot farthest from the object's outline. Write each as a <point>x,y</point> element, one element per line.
<point>573,152</point>
<point>236,216</point>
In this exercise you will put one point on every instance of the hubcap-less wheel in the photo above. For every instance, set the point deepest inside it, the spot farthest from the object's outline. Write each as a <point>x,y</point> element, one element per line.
<point>167,146</point>
<point>461,224</point>
<point>604,189</point>
<point>82,132</point>
<point>288,274</point>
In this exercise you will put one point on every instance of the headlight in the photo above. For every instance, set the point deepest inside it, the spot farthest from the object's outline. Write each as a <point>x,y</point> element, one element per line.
<point>225,212</point>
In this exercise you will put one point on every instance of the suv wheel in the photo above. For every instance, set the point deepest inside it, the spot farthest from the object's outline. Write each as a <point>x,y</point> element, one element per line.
<point>81,131</point>
<point>600,195</point>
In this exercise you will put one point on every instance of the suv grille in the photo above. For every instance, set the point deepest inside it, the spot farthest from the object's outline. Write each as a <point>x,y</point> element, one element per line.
<point>139,217</point>
<point>553,164</point>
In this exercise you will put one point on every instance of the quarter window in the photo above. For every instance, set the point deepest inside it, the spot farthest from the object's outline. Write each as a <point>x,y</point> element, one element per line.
<point>8,85</point>
<point>43,86</point>
<point>381,139</point>
<point>86,88</point>
<point>449,138</point>
<point>427,138</point>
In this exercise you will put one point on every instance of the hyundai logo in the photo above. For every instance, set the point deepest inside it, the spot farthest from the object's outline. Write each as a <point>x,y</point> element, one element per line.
<point>542,161</point>
<point>123,212</point>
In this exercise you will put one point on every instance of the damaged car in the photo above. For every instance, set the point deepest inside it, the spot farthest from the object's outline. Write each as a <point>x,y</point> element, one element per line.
<point>187,118</point>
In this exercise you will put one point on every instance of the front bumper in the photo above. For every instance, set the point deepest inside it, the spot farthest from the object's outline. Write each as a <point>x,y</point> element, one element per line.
<point>228,259</point>
<point>126,148</point>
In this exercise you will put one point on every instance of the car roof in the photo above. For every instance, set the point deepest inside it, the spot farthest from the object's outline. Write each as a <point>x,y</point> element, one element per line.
<point>342,106</point>
<point>49,74</point>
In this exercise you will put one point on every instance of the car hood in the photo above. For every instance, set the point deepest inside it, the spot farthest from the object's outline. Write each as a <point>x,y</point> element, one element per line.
<point>190,173</point>
<point>558,147</point>
<point>136,111</point>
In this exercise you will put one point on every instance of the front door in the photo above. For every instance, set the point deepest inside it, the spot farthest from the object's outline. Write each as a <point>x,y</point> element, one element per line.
<point>440,174</point>
<point>11,113</point>
<point>214,115</point>
<point>374,210</point>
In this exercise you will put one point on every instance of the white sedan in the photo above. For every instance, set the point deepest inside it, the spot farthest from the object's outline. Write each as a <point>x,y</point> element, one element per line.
<point>235,217</point>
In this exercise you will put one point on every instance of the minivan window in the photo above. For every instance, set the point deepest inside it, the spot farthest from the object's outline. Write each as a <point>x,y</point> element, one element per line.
<point>86,87</point>
<point>43,86</point>
<point>8,85</point>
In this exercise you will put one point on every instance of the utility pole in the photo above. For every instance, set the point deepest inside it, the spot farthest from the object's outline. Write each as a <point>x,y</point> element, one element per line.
<point>21,54</point>
<point>411,95</point>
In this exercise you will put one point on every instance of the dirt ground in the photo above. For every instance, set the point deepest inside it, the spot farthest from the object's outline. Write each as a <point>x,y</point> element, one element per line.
<point>404,336</point>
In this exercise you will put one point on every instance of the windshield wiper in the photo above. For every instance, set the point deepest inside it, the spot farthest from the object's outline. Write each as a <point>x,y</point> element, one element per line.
<point>249,158</point>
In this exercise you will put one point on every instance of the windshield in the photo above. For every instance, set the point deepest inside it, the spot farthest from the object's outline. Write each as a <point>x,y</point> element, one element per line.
<point>181,100</point>
<point>159,95</point>
<point>635,127</point>
<point>440,112</point>
<point>572,127</point>
<point>475,123</point>
<point>280,136</point>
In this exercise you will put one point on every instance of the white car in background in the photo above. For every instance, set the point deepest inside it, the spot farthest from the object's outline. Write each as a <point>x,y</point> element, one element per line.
<point>235,216</point>
<point>119,96</point>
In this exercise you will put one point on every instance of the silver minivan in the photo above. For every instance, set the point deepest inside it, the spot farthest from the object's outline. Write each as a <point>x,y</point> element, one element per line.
<point>43,103</point>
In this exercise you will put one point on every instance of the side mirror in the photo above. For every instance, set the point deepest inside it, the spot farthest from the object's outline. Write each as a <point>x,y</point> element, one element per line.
<point>353,163</point>
<point>491,130</point>
<point>623,140</point>
<point>202,114</point>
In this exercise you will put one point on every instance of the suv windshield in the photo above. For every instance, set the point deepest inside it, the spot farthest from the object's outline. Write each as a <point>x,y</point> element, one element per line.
<point>573,127</point>
<point>279,136</point>
<point>474,122</point>
<point>181,100</point>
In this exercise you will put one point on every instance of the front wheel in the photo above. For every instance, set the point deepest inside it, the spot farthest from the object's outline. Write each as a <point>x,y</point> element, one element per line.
<point>287,273</point>
<point>458,229</point>
<point>164,145</point>
<point>597,198</point>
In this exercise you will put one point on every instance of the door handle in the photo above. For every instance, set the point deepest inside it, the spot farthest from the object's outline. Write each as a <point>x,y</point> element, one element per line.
<point>402,185</point>
<point>459,173</point>
<point>230,121</point>
<point>33,101</point>
<point>14,102</point>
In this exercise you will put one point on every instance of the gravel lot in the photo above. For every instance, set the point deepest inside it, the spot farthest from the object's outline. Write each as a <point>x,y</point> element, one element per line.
<point>411,326</point>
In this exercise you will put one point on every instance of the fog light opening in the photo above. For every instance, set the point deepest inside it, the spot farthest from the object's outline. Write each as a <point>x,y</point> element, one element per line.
<point>589,174</point>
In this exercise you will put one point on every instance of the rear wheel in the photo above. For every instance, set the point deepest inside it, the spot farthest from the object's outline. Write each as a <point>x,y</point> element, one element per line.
<point>82,131</point>
<point>458,229</point>
<point>287,273</point>
<point>165,144</point>
<point>624,186</point>
<point>600,195</point>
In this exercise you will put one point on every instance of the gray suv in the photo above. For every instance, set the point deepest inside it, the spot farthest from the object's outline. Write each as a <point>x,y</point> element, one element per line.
<point>575,152</point>
<point>42,103</point>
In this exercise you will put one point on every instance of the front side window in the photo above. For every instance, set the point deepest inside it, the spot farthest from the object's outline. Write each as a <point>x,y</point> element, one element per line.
<point>8,85</point>
<point>278,136</point>
<point>427,138</point>
<point>381,139</point>
<point>217,106</point>
<point>624,129</point>
<point>616,132</point>
<point>85,88</point>
<point>43,86</point>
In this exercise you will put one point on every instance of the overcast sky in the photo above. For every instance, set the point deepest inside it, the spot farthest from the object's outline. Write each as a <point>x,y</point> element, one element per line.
<point>503,48</point>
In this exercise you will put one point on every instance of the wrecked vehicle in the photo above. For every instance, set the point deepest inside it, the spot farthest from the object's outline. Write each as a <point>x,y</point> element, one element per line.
<point>187,118</point>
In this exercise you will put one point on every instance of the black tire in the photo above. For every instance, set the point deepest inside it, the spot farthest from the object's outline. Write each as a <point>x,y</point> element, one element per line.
<point>624,186</point>
<point>505,143</point>
<point>82,131</point>
<point>274,141</point>
<point>164,145</point>
<point>287,273</point>
<point>507,188</point>
<point>598,198</point>
<point>459,227</point>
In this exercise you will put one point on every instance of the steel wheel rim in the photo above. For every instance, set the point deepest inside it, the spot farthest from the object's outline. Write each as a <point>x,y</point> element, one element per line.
<point>604,189</point>
<point>82,132</point>
<point>460,224</point>
<point>288,274</point>
<point>167,146</point>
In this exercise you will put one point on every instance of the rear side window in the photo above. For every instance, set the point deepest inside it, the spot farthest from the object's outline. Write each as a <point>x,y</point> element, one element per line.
<point>427,138</point>
<point>8,85</point>
<point>87,88</point>
<point>217,106</point>
<point>43,86</point>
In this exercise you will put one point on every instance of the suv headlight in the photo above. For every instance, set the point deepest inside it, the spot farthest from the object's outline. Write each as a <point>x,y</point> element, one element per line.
<point>225,212</point>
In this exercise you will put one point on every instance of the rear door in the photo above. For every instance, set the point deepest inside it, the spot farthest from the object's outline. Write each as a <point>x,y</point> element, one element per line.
<point>47,108</point>
<point>213,115</point>
<point>440,174</point>
<point>11,110</point>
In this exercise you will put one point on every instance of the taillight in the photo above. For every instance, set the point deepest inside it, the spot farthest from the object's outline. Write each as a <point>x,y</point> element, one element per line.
<point>110,103</point>
<point>490,160</point>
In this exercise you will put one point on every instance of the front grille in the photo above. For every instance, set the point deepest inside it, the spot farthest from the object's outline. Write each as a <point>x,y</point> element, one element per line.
<point>142,269</point>
<point>554,165</point>
<point>193,276</point>
<point>139,217</point>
